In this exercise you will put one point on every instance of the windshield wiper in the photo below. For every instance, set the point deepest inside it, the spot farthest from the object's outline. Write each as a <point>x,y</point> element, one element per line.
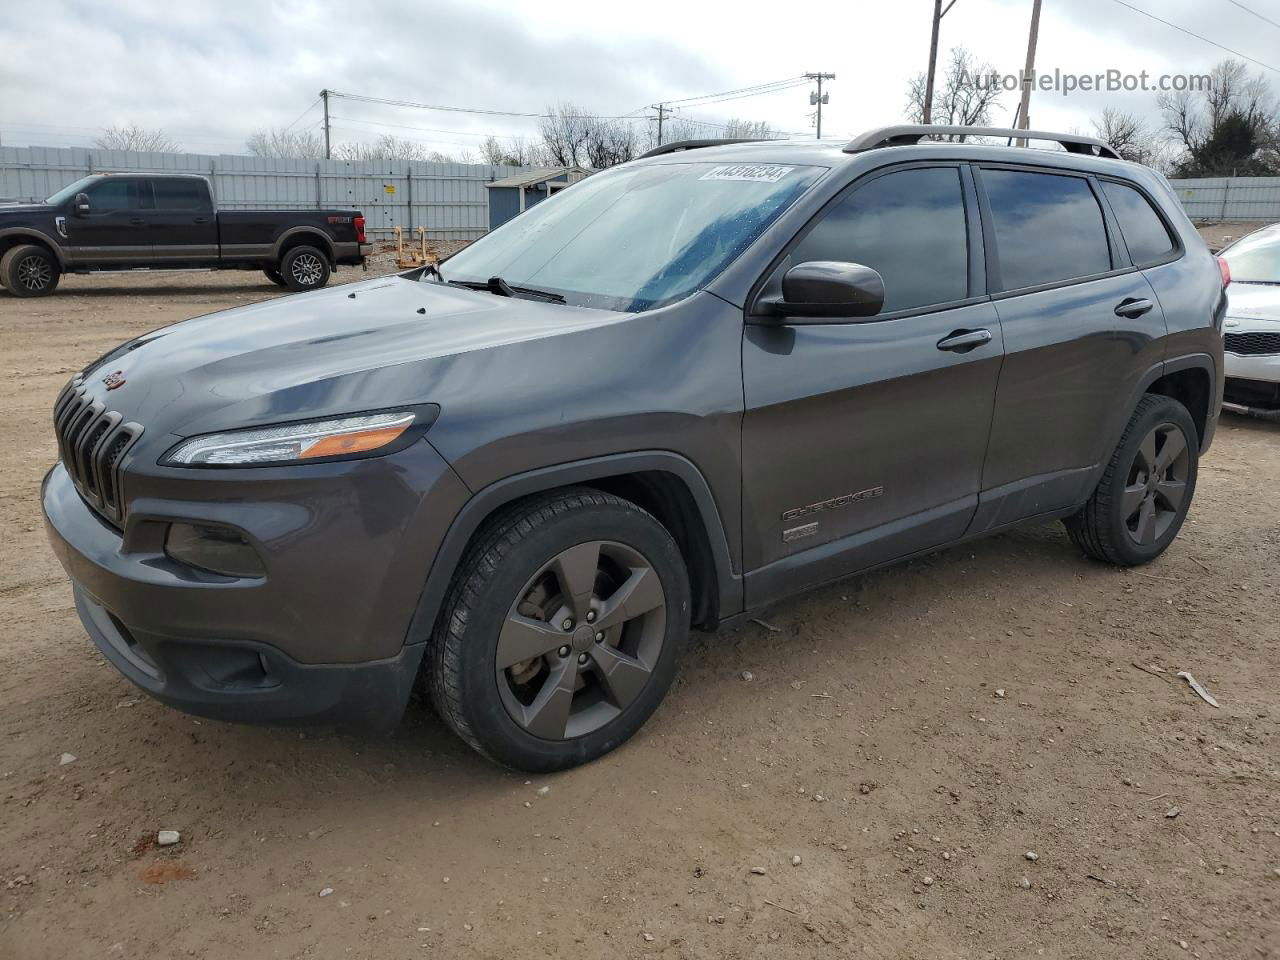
<point>499,287</point>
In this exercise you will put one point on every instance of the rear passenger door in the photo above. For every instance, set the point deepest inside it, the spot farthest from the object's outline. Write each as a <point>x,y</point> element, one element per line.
<point>183,229</point>
<point>863,441</point>
<point>1081,325</point>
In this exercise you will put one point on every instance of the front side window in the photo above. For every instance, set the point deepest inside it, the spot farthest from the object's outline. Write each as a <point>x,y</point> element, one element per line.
<point>1144,232</point>
<point>112,195</point>
<point>909,226</point>
<point>1048,227</point>
<point>636,237</point>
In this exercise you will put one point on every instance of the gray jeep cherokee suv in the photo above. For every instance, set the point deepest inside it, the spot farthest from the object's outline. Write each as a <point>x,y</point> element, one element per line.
<point>680,390</point>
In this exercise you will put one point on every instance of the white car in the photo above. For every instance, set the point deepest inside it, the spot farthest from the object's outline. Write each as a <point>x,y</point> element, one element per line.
<point>1252,325</point>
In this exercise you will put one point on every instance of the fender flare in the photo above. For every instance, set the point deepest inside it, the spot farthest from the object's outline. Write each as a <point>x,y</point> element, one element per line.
<point>39,236</point>
<point>325,243</point>
<point>498,494</point>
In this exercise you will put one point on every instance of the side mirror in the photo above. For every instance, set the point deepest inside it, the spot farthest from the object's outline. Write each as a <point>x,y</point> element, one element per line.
<point>82,204</point>
<point>828,291</point>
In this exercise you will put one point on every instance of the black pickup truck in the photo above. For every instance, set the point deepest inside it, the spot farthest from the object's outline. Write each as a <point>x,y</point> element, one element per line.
<point>168,222</point>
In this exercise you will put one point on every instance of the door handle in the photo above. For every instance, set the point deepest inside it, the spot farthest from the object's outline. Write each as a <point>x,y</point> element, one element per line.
<point>201,220</point>
<point>962,341</point>
<point>1133,307</point>
<point>138,221</point>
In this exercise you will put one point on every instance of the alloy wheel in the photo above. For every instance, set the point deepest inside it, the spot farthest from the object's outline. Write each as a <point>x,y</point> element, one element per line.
<point>35,273</point>
<point>1157,484</point>
<point>307,269</point>
<point>581,641</point>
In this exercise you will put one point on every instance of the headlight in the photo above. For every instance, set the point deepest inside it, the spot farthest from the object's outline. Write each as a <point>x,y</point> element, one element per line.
<point>296,442</point>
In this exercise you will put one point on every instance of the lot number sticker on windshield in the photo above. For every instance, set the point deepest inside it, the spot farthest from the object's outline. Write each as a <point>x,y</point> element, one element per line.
<point>751,172</point>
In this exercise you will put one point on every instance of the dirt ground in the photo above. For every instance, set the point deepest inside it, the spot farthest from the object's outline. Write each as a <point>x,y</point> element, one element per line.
<point>914,737</point>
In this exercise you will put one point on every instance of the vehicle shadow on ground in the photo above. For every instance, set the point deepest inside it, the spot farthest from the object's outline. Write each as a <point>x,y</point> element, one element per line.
<point>160,290</point>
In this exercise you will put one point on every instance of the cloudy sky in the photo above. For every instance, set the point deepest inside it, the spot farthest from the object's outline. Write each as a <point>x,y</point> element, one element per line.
<point>211,71</point>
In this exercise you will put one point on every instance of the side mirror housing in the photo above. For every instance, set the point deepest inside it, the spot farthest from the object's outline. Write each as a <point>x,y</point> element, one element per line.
<point>827,291</point>
<point>82,204</point>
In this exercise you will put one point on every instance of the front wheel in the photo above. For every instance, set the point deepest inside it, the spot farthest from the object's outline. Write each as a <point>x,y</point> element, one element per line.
<point>29,271</point>
<point>1146,489</point>
<point>304,268</point>
<point>561,632</point>
<point>274,275</point>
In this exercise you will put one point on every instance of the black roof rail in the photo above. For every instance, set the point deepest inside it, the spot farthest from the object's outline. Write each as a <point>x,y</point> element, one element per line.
<point>677,145</point>
<point>913,133</point>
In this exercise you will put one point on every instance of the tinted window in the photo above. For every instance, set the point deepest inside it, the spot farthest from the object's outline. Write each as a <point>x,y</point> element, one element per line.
<point>180,194</point>
<point>1144,231</point>
<point>909,226</point>
<point>1048,228</point>
<point>106,196</point>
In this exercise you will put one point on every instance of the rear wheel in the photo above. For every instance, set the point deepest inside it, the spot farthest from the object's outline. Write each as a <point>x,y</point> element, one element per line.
<point>274,276</point>
<point>561,632</point>
<point>1146,489</point>
<point>29,271</point>
<point>304,268</point>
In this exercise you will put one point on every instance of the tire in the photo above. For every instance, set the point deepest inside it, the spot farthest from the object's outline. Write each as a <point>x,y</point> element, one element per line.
<point>554,710</point>
<point>1146,489</point>
<point>30,271</point>
<point>304,268</point>
<point>274,276</point>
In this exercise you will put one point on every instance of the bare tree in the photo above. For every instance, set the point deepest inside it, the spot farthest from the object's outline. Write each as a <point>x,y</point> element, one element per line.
<point>130,136</point>
<point>388,147</point>
<point>968,93</point>
<point>512,152</point>
<point>1233,127</point>
<point>750,129</point>
<point>610,142</point>
<point>565,131</point>
<point>295,144</point>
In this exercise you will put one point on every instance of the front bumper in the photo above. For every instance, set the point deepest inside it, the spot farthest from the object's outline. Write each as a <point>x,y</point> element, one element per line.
<point>322,637</point>
<point>1253,384</point>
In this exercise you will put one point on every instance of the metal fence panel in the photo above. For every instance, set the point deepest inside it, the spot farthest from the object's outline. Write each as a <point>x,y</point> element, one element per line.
<point>1230,198</point>
<point>448,199</point>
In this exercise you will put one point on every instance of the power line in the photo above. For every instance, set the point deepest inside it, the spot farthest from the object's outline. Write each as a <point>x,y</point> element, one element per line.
<point>1190,33</point>
<point>724,93</point>
<point>1254,12</point>
<point>301,115</point>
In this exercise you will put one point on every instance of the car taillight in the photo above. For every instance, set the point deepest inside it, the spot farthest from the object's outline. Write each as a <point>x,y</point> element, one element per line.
<point>1226,272</point>
<point>360,231</point>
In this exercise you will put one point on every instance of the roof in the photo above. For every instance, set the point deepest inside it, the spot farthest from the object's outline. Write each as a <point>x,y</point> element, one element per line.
<point>540,175</point>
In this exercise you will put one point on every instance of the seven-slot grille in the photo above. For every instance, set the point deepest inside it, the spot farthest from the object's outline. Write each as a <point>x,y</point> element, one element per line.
<point>1252,344</point>
<point>92,441</point>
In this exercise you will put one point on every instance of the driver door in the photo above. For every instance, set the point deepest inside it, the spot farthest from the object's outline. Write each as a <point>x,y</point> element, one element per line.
<point>114,230</point>
<point>863,441</point>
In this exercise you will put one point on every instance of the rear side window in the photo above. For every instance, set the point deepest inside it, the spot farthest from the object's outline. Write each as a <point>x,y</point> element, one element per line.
<point>1144,232</point>
<point>180,194</point>
<point>1048,228</point>
<point>910,226</point>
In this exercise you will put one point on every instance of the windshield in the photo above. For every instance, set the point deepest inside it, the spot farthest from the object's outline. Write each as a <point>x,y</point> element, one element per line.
<point>1255,259</point>
<point>635,237</point>
<point>67,192</point>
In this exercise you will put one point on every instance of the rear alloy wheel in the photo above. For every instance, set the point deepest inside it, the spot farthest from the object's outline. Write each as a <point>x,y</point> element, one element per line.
<point>1146,489</point>
<point>561,632</point>
<point>304,268</point>
<point>29,271</point>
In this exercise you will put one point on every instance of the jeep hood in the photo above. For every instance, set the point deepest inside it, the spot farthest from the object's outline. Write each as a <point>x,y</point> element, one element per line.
<point>360,346</point>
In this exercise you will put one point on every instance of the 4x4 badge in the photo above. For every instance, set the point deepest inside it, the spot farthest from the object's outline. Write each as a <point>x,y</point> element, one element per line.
<point>114,380</point>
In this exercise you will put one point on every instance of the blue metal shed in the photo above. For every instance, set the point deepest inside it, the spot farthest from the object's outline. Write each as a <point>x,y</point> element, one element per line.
<point>514,195</point>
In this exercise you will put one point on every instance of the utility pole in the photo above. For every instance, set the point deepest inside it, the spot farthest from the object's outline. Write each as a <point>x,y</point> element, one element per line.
<point>938,14</point>
<point>1024,118</point>
<point>662,110</point>
<point>324,95</point>
<point>819,98</point>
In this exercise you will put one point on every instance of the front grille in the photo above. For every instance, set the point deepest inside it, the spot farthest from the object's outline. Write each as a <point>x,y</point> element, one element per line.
<point>1253,344</point>
<point>92,442</point>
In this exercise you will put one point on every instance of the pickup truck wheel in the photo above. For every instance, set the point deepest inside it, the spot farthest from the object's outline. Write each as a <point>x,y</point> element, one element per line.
<point>29,271</point>
<point>274,276</point>
<point>1146,488</point>
<point>304,268</point>
<point>561,631</point>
